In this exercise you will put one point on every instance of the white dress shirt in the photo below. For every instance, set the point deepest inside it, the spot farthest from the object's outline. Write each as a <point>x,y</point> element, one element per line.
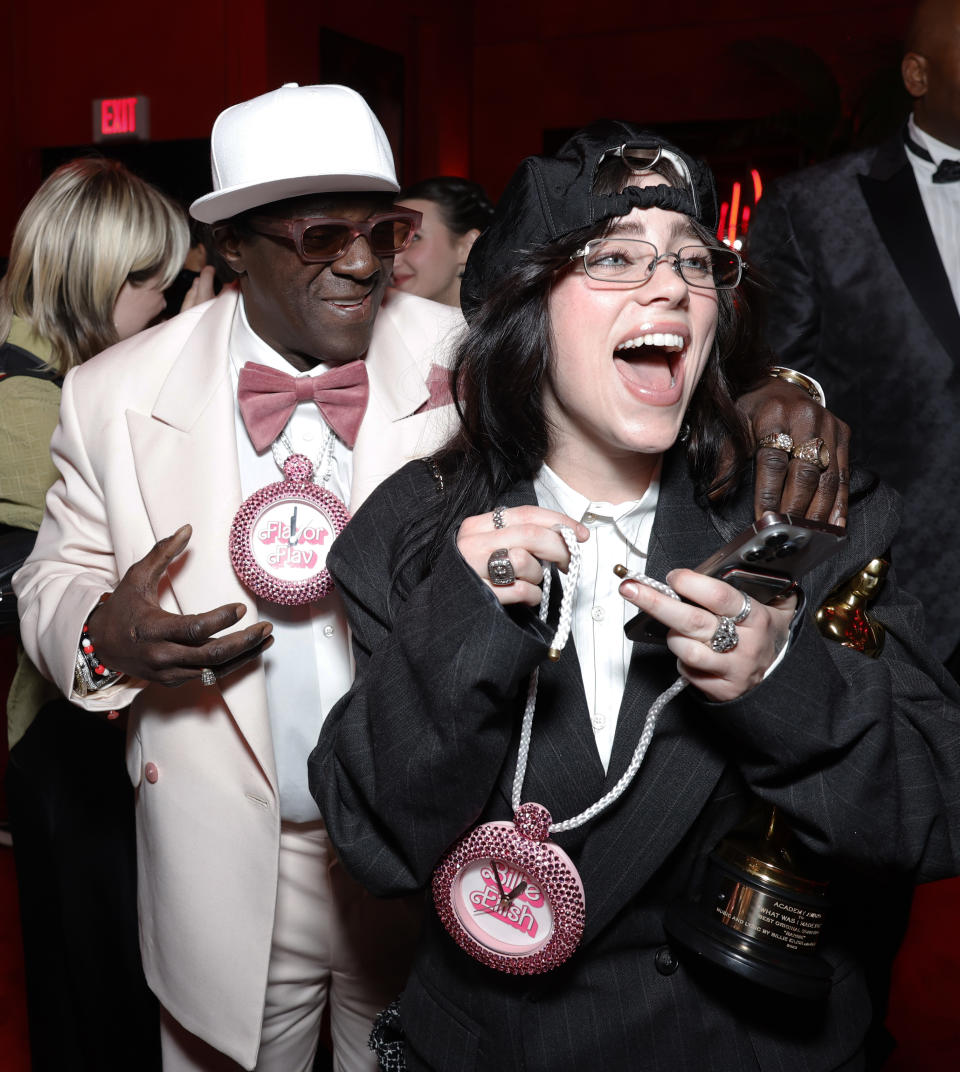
<point>309,666</point>
<point>618,534</point>
<point>941,201</point>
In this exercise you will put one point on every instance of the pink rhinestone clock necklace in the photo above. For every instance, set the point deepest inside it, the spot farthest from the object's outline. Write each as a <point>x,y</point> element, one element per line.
<point>537,923</point>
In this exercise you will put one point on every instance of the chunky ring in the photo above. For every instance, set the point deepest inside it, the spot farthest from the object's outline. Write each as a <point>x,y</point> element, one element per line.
<point>207,676</point>
<point>500,568</point>
<point>726,637</point>
<point>777,440</point>
<point>815,451</point>
<point>744,610</point>
<point>498,522</point>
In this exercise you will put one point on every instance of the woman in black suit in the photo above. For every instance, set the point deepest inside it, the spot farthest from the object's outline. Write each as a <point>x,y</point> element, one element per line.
<point>608,335</point>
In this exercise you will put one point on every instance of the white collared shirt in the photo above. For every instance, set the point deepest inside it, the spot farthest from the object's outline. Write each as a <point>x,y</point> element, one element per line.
<point>309,666</point>
<point>941,201</point>
<point>618,534</point>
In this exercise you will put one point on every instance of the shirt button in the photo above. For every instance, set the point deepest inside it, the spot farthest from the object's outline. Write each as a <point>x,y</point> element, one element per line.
<point>597,614</point>
<point>151,773</point>
<point>308,434</point>
<point>328,631</point>
<point>598,722</point>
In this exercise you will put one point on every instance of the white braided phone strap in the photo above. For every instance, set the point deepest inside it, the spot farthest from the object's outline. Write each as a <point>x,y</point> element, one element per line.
<point>560,639</point>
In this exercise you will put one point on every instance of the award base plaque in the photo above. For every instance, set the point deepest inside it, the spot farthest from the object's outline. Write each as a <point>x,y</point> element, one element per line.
<point>757,915</point>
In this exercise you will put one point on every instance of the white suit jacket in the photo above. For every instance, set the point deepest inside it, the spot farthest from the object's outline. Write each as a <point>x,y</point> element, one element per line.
<point>147,442</point>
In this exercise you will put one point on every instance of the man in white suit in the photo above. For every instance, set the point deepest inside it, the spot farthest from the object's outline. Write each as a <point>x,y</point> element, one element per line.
<point>249,925</point>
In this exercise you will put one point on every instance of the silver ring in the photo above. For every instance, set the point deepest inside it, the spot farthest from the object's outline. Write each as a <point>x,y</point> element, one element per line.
<point>207,676</point>
<point>726,637</point>
<point>744,610</point>
<point>498,522</point>
<point>500,568</point>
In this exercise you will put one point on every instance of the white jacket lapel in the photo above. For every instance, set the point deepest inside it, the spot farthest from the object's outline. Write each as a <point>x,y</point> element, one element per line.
<point>186,461</point>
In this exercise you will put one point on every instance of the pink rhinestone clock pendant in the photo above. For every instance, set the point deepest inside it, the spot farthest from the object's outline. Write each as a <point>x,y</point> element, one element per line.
<point>511,898</point>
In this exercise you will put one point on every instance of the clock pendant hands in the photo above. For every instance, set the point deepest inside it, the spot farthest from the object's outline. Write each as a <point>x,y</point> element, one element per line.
<point>516,891</point>
<point>293,528</point>
<point>504,899</point>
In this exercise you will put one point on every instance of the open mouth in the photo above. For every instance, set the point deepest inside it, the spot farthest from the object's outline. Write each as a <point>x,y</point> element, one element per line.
<point>651,361</point>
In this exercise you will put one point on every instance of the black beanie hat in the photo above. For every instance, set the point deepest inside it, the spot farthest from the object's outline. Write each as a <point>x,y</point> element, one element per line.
<point>552,196</point>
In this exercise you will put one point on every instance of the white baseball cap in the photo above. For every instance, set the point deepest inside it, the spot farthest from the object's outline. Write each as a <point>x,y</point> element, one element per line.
<point>295,140</point>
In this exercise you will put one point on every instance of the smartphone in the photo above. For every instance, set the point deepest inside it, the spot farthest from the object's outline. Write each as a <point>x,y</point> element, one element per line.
<point>766,560</point>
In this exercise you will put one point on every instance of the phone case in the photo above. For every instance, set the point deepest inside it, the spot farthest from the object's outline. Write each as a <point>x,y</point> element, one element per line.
<point>764,561</point>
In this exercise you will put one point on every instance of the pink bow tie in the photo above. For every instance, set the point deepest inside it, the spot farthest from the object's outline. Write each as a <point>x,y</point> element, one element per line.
<point>268,397</point>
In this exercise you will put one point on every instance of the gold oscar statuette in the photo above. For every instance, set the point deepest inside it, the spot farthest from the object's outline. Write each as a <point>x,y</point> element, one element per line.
<point>764,898</point>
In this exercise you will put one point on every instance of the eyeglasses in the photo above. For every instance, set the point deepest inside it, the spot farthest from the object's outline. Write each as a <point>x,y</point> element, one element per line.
<point>634,260</point>
<point>326,238</point>
<point>640,158</point>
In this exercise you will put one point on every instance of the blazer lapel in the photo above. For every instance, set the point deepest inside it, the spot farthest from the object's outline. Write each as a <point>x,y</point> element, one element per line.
<point>631,840</point>
<point>399,424</point>
<point>186,461</point>
<point>564,772</point>
<point>891,193</point>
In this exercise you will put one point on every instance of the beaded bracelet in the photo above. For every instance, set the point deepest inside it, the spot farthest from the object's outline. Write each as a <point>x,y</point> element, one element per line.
<point>90,675</point>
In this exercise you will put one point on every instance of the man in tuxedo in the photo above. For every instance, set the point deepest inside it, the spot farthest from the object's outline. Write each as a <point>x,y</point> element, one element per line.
<point>864,256</point>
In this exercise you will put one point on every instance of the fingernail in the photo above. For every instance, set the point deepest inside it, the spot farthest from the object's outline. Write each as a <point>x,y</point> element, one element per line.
<point>630,588</point>
<point>239,610</point>
<point>111,715</point>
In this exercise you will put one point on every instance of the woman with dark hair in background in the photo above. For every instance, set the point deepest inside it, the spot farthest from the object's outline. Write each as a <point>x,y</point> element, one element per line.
<point>454,211</point>
<point>608,336</point>
<point>92,254</point>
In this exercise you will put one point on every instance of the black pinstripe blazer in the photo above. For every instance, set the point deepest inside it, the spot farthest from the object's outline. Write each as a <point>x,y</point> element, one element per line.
<point>862,755</point>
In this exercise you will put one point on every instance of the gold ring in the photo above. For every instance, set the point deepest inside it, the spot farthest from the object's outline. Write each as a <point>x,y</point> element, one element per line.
<point>814,451</point>
<point>778,440</point>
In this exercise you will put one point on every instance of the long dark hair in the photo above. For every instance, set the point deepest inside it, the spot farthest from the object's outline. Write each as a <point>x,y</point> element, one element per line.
<point>498,377</point>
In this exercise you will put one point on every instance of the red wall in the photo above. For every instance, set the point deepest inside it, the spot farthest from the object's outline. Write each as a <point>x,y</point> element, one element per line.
<point>482,80</point>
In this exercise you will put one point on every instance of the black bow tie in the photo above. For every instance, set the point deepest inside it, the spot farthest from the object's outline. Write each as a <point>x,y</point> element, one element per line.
<point>947,170</point>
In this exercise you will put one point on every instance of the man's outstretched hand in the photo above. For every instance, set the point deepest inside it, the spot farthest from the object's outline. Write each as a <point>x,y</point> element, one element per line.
<point>788,484</point>
<point>134,635</point>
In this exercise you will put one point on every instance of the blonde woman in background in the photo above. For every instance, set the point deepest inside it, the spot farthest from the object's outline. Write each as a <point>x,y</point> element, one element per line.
<point>91,256</point>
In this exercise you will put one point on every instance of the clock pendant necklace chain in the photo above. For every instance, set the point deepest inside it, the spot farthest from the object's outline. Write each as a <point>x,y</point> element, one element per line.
<point>325,454</point>
<point>536,924</point>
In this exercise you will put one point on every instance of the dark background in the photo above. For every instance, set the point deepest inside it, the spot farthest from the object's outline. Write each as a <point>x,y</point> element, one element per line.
<point>462,87</point>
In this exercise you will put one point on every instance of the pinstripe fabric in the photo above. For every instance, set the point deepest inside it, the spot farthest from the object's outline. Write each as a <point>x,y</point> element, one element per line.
<point>861,754</point>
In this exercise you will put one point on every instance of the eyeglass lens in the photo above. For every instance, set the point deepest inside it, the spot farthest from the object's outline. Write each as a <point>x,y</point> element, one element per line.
<point>329,240</point>
<point>619,260</point>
